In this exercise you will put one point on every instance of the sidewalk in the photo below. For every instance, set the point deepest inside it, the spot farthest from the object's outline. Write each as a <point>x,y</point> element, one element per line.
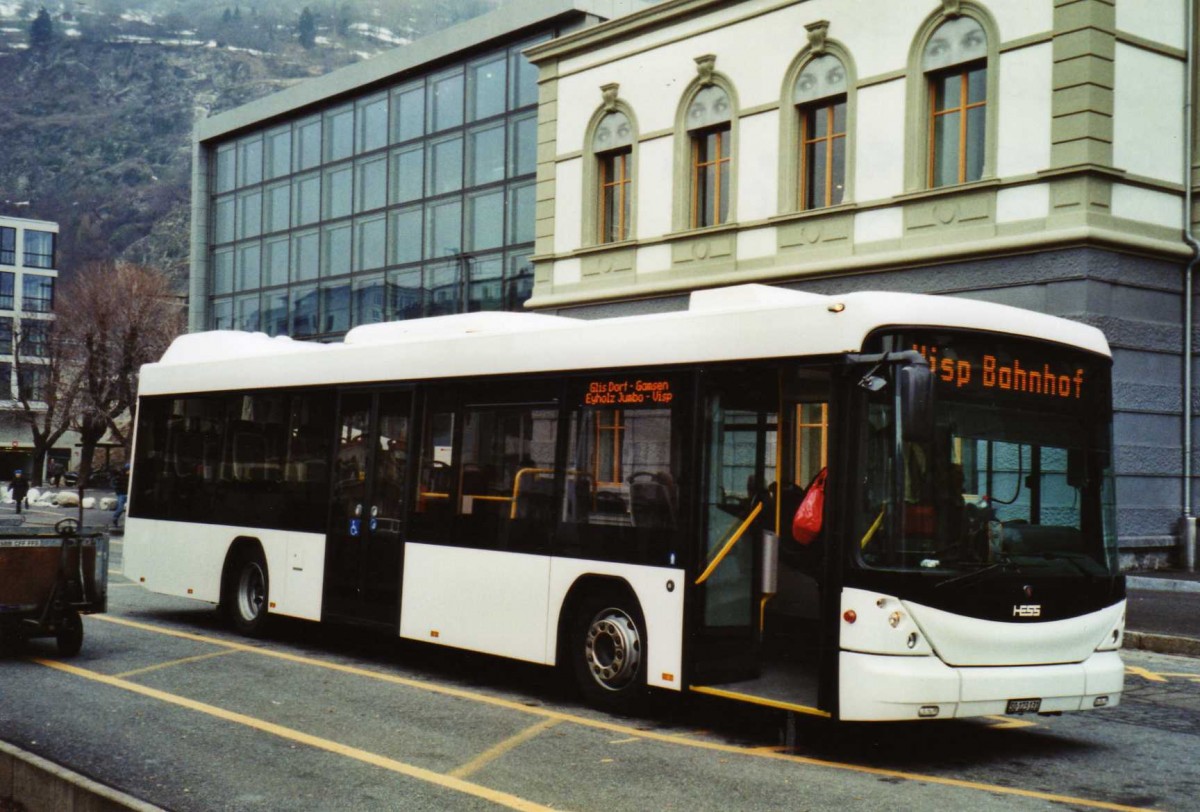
<point>1163,612</point>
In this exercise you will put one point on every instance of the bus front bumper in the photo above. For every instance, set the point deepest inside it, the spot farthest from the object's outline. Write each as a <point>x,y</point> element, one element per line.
<point>894,688</point>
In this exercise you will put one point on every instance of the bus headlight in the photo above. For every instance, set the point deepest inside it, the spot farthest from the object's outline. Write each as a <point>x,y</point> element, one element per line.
<point>888,628</point>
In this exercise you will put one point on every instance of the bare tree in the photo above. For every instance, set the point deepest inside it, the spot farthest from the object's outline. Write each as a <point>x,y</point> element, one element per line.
<point>115,316</point>
<point>47,385</point>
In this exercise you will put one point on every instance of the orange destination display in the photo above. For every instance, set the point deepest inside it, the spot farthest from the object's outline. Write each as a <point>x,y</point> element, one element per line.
<point>1005,369</point>
<point>626,392</point>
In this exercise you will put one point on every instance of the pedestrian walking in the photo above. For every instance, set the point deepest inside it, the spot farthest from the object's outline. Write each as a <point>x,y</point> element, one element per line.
<point>121,486</point>
<point>19,488</point>
<point>56,473</point>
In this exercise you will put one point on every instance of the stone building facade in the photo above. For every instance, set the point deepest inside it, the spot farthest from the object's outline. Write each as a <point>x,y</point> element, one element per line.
<point>1029,152</point>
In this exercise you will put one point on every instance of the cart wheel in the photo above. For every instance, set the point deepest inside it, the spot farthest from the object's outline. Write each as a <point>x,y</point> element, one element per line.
<point>66,526</point>
<point>70,634</point>
<point>11,638</point>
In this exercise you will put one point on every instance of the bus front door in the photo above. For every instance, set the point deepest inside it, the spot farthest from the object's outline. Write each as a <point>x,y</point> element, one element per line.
<point>763,432</point>
<point>365,547</point>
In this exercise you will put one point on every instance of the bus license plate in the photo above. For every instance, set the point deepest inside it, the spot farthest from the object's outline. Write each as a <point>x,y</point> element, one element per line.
<point>1023,705</point>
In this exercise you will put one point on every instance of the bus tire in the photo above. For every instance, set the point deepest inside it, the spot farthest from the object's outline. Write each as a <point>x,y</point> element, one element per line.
<point>607,646</point>
<point>70,634</point>
<point>250,588</point>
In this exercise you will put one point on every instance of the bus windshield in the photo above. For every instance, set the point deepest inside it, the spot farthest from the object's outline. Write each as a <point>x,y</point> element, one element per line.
<point>1017,474</point>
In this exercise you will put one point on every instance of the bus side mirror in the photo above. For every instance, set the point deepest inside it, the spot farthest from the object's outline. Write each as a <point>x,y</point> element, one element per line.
<point>916,402</point>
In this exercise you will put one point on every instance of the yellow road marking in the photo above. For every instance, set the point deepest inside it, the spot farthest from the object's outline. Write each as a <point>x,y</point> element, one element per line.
<point>374,759</point>
<point>625,730</point>
<point>172,663</point>
<point>1144,673</point>
<point>1009,723</point>
<point>492,753</point>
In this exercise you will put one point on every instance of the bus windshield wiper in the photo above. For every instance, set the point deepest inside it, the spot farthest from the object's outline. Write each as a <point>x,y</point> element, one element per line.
<point>1004,563</point>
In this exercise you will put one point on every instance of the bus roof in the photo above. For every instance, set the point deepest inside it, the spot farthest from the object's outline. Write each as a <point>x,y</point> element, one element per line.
<point>720,324</point>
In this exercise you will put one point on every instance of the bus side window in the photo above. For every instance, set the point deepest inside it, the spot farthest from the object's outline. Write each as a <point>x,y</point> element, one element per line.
<point>437,479</point>
<point>306,464</point>
<point>195,430</point>
<point>507,477</point>
<point>621,500</point>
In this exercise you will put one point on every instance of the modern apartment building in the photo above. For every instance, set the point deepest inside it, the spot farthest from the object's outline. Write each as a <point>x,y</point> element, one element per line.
<point>28,274</point>
<point>399,187</point>
<point>1029,152</point>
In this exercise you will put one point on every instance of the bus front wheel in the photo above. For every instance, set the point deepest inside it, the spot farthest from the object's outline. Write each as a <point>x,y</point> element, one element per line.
<point>608,653</point>
<point>248,603</point>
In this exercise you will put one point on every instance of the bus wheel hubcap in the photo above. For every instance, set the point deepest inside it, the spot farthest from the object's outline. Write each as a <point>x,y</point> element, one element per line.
<point>251,591</point>
<point>613,649</point>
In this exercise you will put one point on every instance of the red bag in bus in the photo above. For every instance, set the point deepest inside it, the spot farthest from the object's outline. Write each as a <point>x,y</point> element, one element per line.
<point>806,525</point>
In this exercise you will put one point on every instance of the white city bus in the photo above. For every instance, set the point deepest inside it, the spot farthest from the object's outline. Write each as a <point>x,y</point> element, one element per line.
<point>616,497</point>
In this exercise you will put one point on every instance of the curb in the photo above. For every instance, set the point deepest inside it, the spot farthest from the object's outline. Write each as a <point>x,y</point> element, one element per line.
<point>1162,643</point>
<point>1151,584</point>
<point>32,782</point>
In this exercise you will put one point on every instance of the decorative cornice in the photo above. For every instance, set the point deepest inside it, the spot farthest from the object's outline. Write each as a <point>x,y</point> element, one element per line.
<point>609,92</point>
<point>816,36</point>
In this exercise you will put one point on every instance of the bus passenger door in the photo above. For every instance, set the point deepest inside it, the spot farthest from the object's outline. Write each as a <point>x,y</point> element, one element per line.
<point>367,511</point>
<point>739,460</point>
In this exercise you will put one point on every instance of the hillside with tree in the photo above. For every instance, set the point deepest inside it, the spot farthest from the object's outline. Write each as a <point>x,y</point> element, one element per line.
<point>99,101</point>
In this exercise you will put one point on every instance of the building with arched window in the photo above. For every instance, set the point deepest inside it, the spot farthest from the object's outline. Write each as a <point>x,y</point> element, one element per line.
<point>1020,151</point>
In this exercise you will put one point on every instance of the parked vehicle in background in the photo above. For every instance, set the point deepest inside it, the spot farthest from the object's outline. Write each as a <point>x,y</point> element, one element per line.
<point>99,477</point>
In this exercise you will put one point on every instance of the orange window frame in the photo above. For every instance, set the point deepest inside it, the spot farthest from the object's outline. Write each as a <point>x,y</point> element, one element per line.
<point>804,436</point>
<point>723,140</point>
<point>807,140</point>
<point>962,109</point>
<point>615,440</point>
<point>614,186</point>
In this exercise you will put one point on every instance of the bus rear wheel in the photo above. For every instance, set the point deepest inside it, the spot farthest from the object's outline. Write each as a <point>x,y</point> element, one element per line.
<point>608,653</point>
<point>250,587</point>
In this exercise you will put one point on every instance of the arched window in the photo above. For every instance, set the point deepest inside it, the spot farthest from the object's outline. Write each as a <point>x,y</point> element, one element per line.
<point>954,62</point>
<point>819,94</point>
<point>709,125</point>
<point>612,146</point>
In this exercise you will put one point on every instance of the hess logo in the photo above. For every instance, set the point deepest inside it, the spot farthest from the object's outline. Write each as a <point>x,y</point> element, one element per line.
<point>1027,610</point>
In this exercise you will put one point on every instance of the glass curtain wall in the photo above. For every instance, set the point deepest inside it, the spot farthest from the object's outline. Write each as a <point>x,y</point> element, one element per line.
<point>409,201</point>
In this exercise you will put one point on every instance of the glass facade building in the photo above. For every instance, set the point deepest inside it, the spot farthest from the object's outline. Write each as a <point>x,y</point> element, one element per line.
<point>27,281</point>
<point>375,195</point>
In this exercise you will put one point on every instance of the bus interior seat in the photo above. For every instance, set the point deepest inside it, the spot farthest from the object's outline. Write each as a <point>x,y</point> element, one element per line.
<point>650,500</point>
